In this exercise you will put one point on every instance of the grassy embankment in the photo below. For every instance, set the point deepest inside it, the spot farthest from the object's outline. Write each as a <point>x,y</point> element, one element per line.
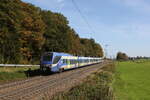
<point>14,73</point>
<point>132,80</point>
<point>97,86</point>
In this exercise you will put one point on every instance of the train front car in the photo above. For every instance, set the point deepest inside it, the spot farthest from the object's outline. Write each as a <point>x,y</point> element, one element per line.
<point>53,61</point>
<point>46,61</point>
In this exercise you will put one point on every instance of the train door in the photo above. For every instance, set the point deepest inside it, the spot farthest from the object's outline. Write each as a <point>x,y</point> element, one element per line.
<point>68,63</point>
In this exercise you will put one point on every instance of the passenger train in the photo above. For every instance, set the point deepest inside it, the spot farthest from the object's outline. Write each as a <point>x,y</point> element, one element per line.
<point>58,62</point>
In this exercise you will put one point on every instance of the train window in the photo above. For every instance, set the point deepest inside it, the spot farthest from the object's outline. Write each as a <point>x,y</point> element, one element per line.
<point>64,61</point>
<point>82,60</point>
<point>87,61</point>
<point>90,60</point>
<point>71,62</point>
<point>47,57</point>
<point>56,59</point>
<point>78,60</point>
<point>75,61</point>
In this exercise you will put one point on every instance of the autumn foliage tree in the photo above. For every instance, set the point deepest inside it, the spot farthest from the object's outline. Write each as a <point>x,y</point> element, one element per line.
<point>27,31</point>
<point>21,31</point>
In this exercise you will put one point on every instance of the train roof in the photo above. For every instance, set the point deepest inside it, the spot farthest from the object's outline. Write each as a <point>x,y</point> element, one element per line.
<point>66,54</point>
<point>59,54</point>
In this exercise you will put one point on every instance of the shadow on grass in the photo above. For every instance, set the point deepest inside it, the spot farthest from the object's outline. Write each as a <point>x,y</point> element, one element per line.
<point>37,72</point>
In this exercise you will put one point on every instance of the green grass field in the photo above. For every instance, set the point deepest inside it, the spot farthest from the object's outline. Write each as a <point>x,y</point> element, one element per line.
<point>132,80</point>
<point>14,73</point>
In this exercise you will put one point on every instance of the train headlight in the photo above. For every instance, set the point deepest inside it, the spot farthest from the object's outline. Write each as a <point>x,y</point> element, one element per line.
<point>47,65</point>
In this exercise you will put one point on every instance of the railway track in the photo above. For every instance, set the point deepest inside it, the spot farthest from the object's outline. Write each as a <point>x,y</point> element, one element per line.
<point>33,88</point>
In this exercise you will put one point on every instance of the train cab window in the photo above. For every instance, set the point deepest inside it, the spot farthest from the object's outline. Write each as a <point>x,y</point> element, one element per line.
<point>56,59</point>
<point>47,57</point>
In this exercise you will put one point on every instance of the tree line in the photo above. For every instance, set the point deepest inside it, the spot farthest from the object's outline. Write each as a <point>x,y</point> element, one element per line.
<point>27,31</point>
<point>124,57</point>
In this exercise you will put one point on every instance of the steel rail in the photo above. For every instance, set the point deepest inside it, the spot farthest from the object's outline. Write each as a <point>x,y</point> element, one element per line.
<point>42,86</point>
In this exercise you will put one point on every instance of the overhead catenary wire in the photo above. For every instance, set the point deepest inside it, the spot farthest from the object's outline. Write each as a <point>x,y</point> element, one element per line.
<point>83,17</point>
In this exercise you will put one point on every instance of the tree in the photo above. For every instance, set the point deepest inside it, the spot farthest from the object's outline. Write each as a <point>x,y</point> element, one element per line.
<point>122,56</point>
<point>21,32</point>
<point>27,31</point>
<point>60,37</point>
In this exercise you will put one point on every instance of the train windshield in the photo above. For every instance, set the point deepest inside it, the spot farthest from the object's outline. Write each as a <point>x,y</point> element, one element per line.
<point>56,59</point>
<point>48,57</point>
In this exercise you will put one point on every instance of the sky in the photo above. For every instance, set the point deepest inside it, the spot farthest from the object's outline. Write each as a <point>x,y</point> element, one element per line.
<point>123,25</point>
